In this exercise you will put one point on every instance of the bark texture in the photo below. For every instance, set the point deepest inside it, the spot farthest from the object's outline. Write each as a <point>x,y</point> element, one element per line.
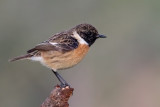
<point>58,97</point>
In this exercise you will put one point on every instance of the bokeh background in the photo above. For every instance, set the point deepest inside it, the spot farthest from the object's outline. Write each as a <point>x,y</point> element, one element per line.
<point>122,70</point>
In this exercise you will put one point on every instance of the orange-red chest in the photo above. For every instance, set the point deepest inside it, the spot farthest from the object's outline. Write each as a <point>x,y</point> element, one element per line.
<point>57,60</point>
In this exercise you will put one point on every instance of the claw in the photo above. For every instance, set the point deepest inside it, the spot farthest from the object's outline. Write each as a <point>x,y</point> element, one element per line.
<point>62,81</point>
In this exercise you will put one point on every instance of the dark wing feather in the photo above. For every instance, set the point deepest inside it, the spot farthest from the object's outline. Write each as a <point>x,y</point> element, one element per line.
<point>64,43</point>
<point>43,47</point>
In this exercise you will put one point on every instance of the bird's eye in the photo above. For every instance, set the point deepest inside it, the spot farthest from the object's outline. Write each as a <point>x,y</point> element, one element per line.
<point>88,33</point>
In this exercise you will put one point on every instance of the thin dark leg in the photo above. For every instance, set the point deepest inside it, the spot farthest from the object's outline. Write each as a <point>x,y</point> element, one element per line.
<point>63,82</point>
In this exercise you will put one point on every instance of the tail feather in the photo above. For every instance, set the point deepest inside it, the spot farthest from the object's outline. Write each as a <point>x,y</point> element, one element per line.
<point>20,57</point>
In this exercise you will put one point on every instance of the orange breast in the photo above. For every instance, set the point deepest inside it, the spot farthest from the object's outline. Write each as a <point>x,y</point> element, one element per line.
<point>57,60</point>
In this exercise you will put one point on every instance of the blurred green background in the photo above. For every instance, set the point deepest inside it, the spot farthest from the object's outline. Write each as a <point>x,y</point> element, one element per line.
<point>122,70</point>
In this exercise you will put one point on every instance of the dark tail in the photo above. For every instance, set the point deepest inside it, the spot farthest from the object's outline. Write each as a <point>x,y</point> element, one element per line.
<point>20,57</point>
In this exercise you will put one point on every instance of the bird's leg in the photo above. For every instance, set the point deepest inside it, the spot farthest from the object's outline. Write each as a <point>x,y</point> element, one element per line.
<point>63,82</point>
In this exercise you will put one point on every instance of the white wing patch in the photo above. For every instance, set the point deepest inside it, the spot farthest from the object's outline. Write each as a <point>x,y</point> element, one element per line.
<point>80,40</point>
<point>53,43</point>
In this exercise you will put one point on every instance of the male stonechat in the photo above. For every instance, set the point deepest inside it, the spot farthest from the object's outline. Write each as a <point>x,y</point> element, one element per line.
<point>63,50</point>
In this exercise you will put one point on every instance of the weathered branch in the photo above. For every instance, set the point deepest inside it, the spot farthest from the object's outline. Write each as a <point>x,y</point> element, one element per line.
<point>59,97</point>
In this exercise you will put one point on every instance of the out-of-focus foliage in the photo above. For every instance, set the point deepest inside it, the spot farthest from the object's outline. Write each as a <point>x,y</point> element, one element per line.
<point>122,70</point>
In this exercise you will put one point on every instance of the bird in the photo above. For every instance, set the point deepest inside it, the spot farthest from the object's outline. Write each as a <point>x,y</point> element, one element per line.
<point>63,50</point>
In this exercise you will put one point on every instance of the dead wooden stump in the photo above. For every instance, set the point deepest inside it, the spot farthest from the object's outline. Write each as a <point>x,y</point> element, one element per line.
<point>58,97</point>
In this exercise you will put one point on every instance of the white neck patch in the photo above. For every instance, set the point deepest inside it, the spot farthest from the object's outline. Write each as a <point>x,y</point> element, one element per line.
<point>80,40</point>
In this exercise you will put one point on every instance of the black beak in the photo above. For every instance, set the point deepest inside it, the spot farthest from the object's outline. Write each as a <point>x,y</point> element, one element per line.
<point>101,36</point>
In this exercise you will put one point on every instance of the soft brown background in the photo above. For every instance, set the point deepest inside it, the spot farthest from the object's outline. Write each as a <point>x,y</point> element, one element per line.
<point>120,71</point>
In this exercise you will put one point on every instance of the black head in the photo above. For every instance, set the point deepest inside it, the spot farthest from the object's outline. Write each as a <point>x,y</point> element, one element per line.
<point>88,33</point>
